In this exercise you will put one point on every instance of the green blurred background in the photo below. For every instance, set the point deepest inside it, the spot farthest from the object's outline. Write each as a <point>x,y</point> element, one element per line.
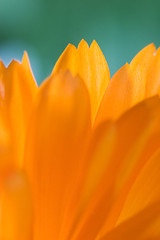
<point>45,27</point>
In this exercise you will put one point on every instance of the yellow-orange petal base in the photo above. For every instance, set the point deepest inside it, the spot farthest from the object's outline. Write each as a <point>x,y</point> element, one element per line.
<point>80,154</point>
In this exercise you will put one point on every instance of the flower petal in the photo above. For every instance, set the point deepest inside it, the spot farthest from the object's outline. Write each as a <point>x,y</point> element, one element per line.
<point>145,190</point>
<point>86,225</point>
<point>91,66</point>
<point>153,76</point>
<point>57,136</point>
<point>118,147</point>
<point>130,85</point>
<point>135,130</point>
<point>6,148</point>
<point>140,66</point>
<point>15,206</point>
<point>142,226</point>
<point>17,91</point>
<point>118,96</point>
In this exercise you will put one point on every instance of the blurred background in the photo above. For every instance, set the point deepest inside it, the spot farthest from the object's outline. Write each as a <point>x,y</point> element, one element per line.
<point>45,27</point>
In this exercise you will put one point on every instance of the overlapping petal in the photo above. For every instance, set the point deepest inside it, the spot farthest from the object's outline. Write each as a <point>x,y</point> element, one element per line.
<point>89,180</point>
<point>142,226</point>
<point>92,191</point>
<point>135,130</point>
<point>58,132</point>
<point>115,173</point>
<point>144,191</point>
<point>90,64</point>
<point>17,92</point>
<point>131,84</point>
<point>108,171</point>
<point>118,95</point>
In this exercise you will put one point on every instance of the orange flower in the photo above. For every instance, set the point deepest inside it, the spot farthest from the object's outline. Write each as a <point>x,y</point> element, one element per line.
<point>80,155</point>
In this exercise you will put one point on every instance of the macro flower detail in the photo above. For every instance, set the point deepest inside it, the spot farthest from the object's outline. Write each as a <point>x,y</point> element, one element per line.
<point>80,154</point>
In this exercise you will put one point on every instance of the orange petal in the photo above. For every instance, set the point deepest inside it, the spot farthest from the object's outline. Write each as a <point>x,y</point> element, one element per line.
<point>145,190</point>
<point>91,66</point>
<point>130,85</point>
<point>143,226</point>
<point>115,151</point>
<point>17,91</point>
<point>134,129</point>
<point>6,150</point>
<point>90,216</point>
<point>153,76</point>
<point>15,205</point>
<point>118,95</point>
<point>140,66</point>
<point>1,65</point>
<point>57,136</point>
<point>100,150</point>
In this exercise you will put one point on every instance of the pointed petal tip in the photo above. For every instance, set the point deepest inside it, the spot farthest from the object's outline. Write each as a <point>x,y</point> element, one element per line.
<point>124,70</point>
<point>126,64</point>
<point>150,46</point>
<point>25,57</point>
<point>94,44</point>
<point>143,56</point>
<point>63,61</point>
<point>153,48</point>
<point>26,63</point>
<point>83,43</point>
<point>125,67</point>
<point>25,60</point>
<point>70,45</point>
<point>12,64</point>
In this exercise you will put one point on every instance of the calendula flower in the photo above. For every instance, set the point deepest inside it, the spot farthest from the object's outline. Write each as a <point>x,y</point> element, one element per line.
<point>80,155</point>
